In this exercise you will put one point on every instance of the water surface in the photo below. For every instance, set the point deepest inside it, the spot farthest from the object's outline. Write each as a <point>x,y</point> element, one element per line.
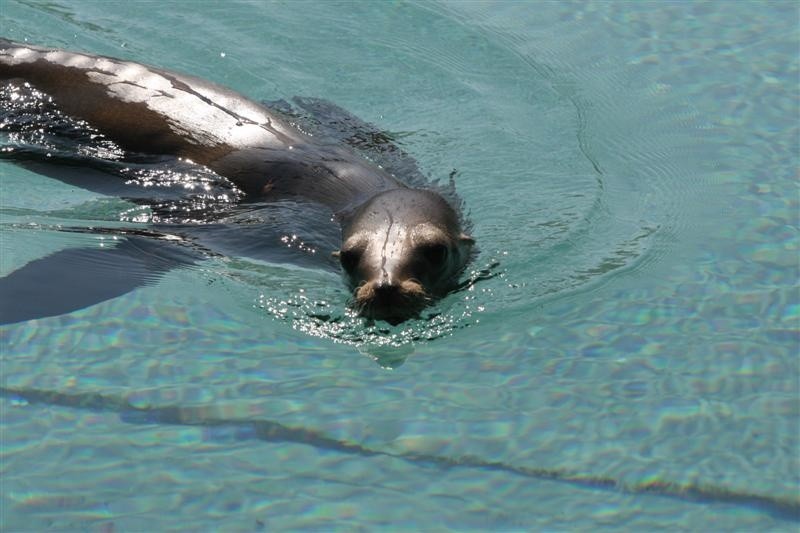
<point>626,356</point>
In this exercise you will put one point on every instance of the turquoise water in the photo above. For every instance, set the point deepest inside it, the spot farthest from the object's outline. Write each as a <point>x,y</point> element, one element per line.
<point>627,356</point>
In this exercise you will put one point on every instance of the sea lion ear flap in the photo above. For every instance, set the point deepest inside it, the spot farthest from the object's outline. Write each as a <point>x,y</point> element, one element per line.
<point>466,239</point>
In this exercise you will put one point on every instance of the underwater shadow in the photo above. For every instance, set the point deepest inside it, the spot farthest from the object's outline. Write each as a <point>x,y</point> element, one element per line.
<point>781,508</point>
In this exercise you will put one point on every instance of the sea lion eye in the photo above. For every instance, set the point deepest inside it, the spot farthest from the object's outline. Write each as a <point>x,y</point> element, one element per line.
<point>435,254</point>
<point>349,259</point>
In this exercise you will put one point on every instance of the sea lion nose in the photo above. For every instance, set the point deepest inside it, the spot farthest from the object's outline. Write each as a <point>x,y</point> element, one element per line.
<point>386,287</point>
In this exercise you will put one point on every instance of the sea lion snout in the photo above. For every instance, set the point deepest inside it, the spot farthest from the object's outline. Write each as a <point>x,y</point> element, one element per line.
<point>389,280</point>
<point>393,302</point>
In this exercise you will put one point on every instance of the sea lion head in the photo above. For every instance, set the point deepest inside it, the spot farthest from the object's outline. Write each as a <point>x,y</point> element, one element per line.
<point>402,249</point>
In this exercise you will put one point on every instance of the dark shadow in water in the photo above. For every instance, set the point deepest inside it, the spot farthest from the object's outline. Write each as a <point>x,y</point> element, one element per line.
<point>781,508</point>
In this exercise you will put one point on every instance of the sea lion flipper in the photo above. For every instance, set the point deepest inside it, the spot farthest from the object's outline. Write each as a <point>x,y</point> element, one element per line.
<point>75,278</point>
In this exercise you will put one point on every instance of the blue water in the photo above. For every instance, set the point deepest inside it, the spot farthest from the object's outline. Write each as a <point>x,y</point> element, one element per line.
<point>626,356</point>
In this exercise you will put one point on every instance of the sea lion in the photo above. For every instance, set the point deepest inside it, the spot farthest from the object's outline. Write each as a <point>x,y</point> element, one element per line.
<point>402,246</point>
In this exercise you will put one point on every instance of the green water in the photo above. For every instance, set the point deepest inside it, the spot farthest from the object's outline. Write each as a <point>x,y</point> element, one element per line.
<point>631,360</point>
